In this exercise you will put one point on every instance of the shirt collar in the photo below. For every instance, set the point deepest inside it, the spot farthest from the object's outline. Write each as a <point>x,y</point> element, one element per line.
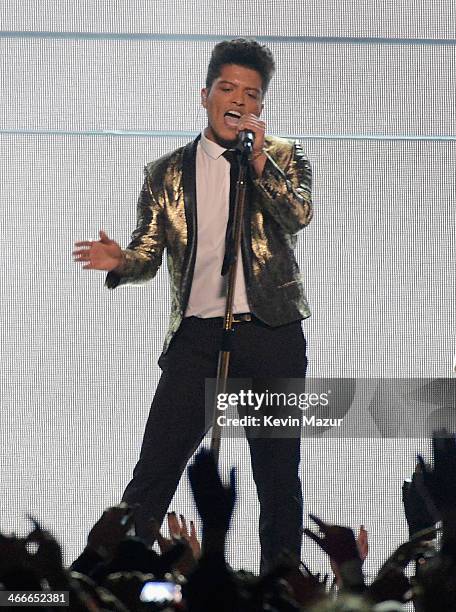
<point>211,148</point>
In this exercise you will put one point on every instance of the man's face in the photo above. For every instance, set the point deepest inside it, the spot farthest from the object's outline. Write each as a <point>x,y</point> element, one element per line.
<point>236,92</point>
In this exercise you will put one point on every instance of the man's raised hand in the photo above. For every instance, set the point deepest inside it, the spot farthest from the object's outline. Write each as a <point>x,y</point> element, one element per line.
<point>104,254</point>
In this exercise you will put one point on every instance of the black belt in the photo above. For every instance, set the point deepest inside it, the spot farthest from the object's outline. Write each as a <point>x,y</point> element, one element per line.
<point>241,317</point>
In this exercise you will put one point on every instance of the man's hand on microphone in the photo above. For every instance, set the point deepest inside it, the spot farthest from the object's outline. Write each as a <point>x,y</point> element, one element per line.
<point>104,254</point>
<point>252,123</point>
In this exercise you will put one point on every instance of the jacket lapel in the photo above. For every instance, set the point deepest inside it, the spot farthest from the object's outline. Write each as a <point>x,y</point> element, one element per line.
<point>189,189</point>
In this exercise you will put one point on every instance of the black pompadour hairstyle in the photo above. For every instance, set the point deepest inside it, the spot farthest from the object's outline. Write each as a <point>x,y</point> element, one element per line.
<point>242,52</point>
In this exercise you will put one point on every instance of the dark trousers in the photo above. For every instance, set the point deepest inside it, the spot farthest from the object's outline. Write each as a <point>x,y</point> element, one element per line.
<point>177,424</point>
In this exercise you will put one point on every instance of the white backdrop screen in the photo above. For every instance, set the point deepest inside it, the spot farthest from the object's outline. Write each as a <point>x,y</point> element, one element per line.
<point>89,94</point>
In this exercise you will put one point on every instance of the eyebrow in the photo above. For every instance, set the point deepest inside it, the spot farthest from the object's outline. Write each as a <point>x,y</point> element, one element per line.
<point>234,85</point>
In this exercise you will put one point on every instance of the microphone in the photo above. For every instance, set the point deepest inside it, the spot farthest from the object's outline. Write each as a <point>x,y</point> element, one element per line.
<point>246,140</point>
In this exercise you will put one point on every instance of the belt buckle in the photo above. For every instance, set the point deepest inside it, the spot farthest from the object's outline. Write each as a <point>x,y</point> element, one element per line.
<point>241,318</point>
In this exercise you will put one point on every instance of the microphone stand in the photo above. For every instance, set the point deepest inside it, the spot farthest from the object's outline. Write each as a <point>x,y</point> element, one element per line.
<point>228,331</point>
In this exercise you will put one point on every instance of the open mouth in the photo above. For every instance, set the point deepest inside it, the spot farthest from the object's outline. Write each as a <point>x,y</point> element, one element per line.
<point>232,118</point>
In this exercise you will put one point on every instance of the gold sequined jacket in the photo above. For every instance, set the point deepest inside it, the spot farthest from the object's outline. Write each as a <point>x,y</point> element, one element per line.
<point>277,207</point>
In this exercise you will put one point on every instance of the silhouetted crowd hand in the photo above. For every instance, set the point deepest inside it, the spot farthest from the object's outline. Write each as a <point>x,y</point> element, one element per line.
<point>214,501</point>
<point>118,571</point>
<point>440,480</point>
<point>420,510</point>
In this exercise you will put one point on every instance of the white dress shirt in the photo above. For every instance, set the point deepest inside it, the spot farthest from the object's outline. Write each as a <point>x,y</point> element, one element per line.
<point>208,292</point>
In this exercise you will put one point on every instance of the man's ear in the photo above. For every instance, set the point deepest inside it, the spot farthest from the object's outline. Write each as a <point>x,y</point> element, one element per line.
<point>204,97</point>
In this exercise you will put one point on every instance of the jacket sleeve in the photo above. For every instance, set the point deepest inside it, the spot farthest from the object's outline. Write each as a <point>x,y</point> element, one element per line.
<point>286,193</point>
<point>143,256</point>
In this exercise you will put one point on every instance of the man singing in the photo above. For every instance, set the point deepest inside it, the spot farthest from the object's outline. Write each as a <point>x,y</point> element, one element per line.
<point>184,207</point>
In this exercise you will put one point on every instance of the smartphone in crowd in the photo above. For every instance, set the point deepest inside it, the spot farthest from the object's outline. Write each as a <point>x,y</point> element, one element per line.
<point>161,593</point>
